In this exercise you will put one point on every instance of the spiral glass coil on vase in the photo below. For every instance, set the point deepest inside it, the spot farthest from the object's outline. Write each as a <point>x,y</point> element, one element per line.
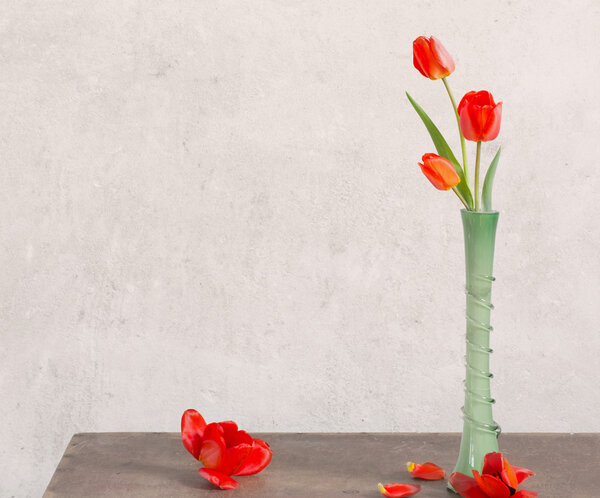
<point>480,431</point>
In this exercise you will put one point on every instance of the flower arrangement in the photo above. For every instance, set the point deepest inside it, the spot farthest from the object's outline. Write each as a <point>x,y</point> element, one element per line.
<point>478,118</point>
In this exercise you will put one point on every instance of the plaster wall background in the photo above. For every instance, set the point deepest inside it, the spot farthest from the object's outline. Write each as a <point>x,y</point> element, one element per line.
<point>218,205</point>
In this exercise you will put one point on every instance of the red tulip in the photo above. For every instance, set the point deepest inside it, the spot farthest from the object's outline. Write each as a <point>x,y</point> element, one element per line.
<point>428,471</point>
<point>498,479</point>
<point>439,171</point>
<point>223,449</point>
<point>479,116</point>
<point>431,58</point>
<point>396,490</point>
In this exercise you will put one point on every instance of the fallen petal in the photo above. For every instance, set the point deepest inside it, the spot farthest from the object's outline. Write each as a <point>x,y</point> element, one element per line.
<point>257,460</point>
<point>496,464</point>
<point>428,471</point>
<point>192,430</point>
<point>213,446</point>
<point>466,486</point>
<point>491,485</point>
<point>233,458</point>
<point>396,490</point>
<point>522,474</point>
<point>219,479</point>
<point>237,437</point>
<point>229,427</point>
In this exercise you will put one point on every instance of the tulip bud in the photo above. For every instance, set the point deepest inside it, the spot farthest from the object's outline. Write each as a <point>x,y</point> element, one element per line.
<point>431,58</point>
<point>479,116</point>
<point>439,171</point>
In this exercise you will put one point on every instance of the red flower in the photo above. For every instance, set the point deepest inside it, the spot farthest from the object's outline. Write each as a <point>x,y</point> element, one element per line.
<point>439,171</point>
<point>223,449</point>
<point>396,490</point>
<point>431,58</point>
<point>428,471</point>
<point>498,479</point>
<point>479,116</point>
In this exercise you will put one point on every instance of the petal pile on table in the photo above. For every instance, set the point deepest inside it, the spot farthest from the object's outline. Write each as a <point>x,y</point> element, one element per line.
<point>498,479</point>
<point>223,449</point>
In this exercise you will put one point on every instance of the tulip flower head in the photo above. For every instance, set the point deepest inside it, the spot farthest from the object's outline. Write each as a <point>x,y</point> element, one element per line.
<point>431,58</point>
<point>439,171</point>
<point>498,478</point>
<point>223,449</point>
<point>479,116</point>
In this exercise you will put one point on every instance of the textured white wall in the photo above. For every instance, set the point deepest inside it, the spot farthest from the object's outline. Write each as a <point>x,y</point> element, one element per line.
<point>217,205</point>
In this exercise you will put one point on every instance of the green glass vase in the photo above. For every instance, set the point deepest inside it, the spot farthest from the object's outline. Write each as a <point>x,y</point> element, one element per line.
<point>480,432</point>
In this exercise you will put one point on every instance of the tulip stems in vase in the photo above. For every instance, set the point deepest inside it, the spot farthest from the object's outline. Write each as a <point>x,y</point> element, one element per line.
<point>462,138</point>
<point>477,160</point>
<point>462,199</point>
<point>480,432</point>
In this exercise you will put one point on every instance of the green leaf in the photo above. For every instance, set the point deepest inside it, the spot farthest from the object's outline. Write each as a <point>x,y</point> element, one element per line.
<point>488,183</point>
<point>444,150</point>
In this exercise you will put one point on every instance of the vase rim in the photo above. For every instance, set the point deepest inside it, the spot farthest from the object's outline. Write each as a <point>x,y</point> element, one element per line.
<point>479,212</point>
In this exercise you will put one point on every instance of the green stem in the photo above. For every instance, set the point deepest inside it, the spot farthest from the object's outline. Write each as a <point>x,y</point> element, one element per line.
<point>462,138</point>
<point>477,157</point>
<point>462,199</point>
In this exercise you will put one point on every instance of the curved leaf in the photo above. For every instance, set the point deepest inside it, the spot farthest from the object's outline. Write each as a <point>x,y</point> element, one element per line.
<point>488,183</point>
<point>444,150</point>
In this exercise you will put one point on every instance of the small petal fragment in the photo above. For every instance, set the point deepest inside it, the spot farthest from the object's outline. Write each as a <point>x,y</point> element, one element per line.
<point>525,494</point>
<point>219,479</point>
<point>428,471</point>
<point>396,490</point>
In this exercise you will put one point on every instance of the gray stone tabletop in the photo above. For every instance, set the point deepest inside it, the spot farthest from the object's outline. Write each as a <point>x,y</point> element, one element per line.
<point>313,465</point>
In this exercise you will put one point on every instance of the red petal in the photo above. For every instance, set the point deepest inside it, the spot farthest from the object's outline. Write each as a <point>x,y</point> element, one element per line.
<point>493,118</point>
<point>525,494</point>
<point>192,430</point>
<point>213,446</point>
<point>496,464</point>
<point>492,463</point>
<point>257,460</point>
<point>466,486</point>
<point>442,57</point>
<point>395,490</point>
<point>471,122</point>
<point>522,474</point>
<point>218,479</point>
<point>422,55</point>
<point>492,486</point>
<point>236,438</point>
<point>229,427</point>
<point>465,100</point>
<point>428,471</point>
<point>233,458</point>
